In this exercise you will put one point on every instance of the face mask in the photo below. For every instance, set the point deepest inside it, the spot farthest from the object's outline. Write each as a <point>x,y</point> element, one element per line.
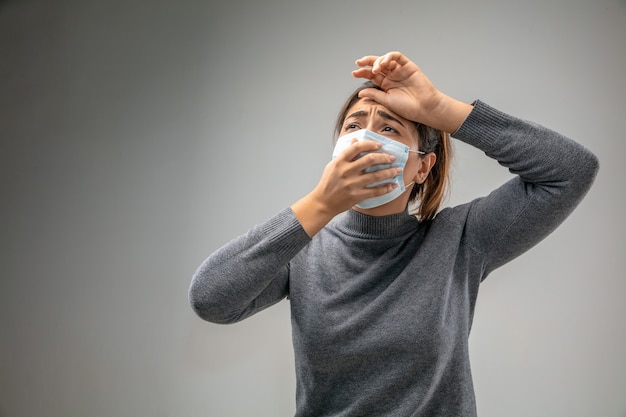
<point>392,147</point>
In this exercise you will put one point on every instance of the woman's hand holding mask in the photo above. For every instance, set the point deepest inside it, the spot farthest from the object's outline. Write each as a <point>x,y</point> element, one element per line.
<point>343,184</point>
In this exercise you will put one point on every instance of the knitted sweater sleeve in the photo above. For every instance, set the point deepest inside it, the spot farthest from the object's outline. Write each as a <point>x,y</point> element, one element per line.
<point>249,273</point>
<point>553,174</point>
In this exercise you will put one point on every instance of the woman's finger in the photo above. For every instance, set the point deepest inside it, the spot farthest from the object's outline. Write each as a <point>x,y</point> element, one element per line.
<point>394,56</point>
<point>372,159</point>
<point>374,94</point>
<point>381,175</point>
<point>388,62</point>
<point>363,73</point>
<point>365,64</point>
<point>358,147</point>
<point>366,61</point>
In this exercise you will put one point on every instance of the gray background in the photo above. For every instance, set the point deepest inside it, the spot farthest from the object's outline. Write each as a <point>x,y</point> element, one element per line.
<point>139,136</point>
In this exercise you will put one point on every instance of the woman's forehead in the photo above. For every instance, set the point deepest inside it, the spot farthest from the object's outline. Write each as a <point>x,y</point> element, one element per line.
<point>365,107</point>
<point>369,105</point>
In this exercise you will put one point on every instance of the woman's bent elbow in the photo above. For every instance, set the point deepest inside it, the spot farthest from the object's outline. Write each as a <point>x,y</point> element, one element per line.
<point>588,175</point>
<point>211,311</point>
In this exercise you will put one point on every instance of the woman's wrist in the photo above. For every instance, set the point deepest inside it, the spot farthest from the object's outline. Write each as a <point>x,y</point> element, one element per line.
<point>449,114</point>
<point>312,214</point>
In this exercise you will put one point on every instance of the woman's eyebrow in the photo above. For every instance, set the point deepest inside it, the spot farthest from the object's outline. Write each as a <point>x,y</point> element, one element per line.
<point>357,114</point>
<point>381,113</point>
<point>387,116</point>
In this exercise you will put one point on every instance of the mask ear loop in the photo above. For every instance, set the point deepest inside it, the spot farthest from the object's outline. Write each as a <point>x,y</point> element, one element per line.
<point>406,186</point>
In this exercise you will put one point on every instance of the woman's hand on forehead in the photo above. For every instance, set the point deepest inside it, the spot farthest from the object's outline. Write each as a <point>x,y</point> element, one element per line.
<point>408,92</point>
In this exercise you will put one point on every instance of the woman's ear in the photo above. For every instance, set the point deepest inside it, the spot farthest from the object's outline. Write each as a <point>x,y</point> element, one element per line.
<point>425,165</point>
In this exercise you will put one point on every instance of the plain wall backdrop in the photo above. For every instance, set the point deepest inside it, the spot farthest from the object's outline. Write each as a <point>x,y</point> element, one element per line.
<point>139,136</point>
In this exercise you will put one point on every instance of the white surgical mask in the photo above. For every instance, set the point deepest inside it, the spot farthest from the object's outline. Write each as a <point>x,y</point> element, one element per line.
<point>391,147</point>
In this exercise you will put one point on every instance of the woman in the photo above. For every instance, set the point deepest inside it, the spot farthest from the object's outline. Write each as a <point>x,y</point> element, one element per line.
<point>382,300</point>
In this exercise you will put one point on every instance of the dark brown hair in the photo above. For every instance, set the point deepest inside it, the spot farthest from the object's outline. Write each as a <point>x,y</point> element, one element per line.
<point>426,197</point>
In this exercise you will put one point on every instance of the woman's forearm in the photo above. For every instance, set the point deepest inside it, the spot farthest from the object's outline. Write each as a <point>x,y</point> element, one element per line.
<point>249,273</point>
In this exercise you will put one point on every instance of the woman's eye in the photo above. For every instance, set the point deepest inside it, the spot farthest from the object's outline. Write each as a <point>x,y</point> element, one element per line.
<point>351,126</point>
<point>389,129</point>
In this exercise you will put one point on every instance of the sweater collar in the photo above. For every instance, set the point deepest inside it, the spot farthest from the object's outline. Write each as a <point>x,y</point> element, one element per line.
<point>377,227</point>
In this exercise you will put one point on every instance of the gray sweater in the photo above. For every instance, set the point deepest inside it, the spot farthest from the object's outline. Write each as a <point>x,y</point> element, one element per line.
<point>382,307</point>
